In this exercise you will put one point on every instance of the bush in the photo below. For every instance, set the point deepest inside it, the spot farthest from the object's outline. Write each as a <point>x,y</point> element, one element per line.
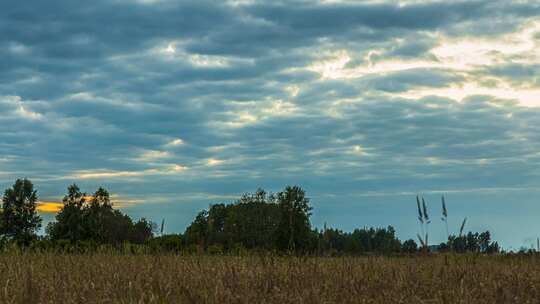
<point>215,250</point>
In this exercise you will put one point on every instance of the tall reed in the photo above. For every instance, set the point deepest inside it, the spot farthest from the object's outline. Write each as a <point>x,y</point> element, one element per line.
<point>424,221</point>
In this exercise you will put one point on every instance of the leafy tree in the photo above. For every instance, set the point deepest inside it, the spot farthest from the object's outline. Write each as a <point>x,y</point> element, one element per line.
<point>473,242</point>
<point>280,222</point>
<point>197,232</point>
<point>20,220</point>
<point>294,229</point>
<point>409,246</point>
<point>335,240</point>
<point>484,239</point>
<point>379,240</point>
<point>142,231</point>
<point>69,223</point>
<point>250,222</point>
<point>96,221</point>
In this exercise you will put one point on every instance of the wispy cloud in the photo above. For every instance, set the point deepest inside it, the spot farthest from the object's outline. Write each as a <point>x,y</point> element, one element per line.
<point>241,94</point>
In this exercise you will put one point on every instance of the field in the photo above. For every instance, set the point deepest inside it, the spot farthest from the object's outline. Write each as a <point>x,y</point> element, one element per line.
<point>113,278</point>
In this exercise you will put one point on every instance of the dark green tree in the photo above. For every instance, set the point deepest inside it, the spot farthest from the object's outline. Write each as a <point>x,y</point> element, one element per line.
<point>473,242</point>
<point>69,223</point>
<point>96,221</point>
<point>250,222</point>
<point>20,220</point>
<point>294,231</point>
<point>98,217</point>
<point>253,220</point>
<point>365,240</point>
<point>409,246</point>
<point>142,231</point>
<point>197,232</point>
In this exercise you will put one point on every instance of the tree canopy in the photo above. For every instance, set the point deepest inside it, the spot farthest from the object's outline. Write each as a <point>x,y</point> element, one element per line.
<point>96,220</point>
<point>256,221</point>
<point>20,220</point>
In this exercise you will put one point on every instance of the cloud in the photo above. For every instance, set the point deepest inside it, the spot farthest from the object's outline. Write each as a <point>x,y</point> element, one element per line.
<point>407,79</point>
<point>15,106</point>
<point>110,174</point>
<point>151,155</point>
<point>214,162</point>
<point>161,99</point>
<point>175,142</point>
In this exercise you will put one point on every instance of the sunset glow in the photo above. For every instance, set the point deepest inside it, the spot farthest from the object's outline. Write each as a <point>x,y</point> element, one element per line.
<point>176,105</point>
<point>49,207</point>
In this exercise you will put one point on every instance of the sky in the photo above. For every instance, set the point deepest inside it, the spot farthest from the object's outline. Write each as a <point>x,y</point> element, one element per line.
<point>174,105</point>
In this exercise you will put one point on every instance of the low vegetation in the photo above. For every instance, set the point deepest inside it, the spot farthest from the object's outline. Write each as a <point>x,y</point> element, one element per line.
<point>261,221</point>
<point>259,249</point>
<point>113,278</point>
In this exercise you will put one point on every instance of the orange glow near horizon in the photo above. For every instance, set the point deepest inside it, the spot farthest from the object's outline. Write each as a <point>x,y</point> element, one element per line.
<point>49,207</point>
<point>54,207</point>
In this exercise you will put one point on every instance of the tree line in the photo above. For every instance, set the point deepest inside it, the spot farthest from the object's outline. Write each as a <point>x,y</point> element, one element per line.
<point>278,222</point>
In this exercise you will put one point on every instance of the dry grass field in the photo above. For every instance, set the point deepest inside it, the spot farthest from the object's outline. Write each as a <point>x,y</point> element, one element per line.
<point>114,278</point>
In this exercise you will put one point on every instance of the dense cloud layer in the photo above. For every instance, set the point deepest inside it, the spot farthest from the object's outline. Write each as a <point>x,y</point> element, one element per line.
<point>174,100</point>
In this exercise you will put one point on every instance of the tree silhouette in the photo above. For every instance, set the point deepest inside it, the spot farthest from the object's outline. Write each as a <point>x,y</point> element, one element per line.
<point>96,221</point>
<point>250,222</point>
<point>69,223</point>
<point>294,227</point>
<point>20,220</point>
<point>409,246</point>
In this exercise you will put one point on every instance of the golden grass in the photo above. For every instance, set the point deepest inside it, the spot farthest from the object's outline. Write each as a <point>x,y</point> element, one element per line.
<point>113,278</point>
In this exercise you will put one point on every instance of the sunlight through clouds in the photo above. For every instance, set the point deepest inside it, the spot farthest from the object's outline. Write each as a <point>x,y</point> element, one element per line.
<point>332,65</point>
<point>175,142</point>
<point>116,200</point>
<point>214,162</point>
<point>343,96</point>
<point>20,108</point>
<point>463,56</point>
<point>152,155</point>
<point>111,174</point>
<point>254,112</point>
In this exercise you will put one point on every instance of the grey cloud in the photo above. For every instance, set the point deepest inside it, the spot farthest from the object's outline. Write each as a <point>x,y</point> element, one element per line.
<point>97,94</point>
<point>331,16</point>
<point>514,72</point>
<point>407,79</point>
